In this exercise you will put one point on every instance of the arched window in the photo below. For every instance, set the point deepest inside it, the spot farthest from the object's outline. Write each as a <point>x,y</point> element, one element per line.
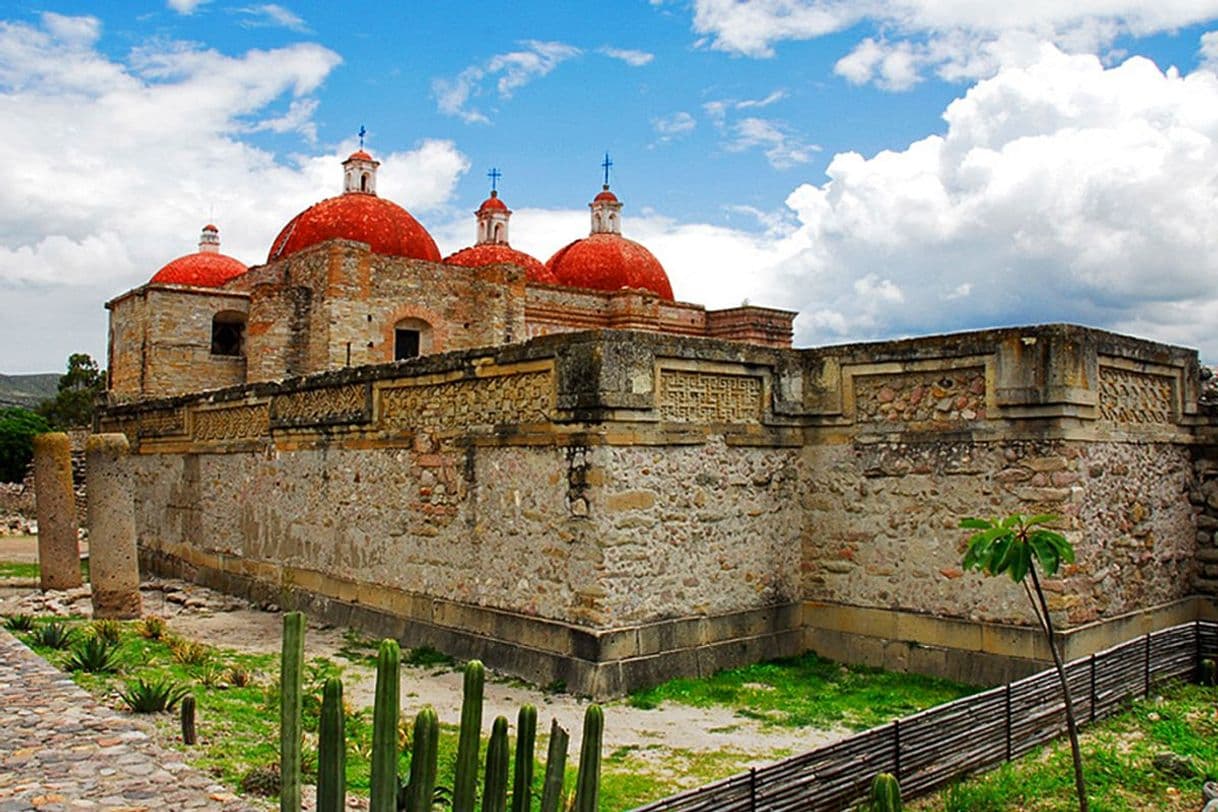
<point>498,232</point>
<point>411,338</point>
<point>363,182</point>
<point>228,333</point>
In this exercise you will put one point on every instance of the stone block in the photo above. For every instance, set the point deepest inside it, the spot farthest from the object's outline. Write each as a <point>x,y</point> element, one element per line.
<point>113,557</point>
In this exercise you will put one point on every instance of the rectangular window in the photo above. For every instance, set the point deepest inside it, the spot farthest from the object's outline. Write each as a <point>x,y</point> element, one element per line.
<point>405,344</point>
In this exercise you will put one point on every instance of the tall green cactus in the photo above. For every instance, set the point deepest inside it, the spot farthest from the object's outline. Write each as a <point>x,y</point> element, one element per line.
<point>384,783</point>
<point>494,796</point>
<point>332,750</point>
<point>291,671</point>
<point>885,794</point>
<point>522,777</point>
<point>588,780</point>
<point>422,784</point>
<point>466,777</point>
<point>556,768</point>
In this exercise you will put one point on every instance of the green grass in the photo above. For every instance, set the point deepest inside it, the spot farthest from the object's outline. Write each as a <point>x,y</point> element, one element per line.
<point>808,691</point>
<point>10,569</point>
<point>1118,757</point>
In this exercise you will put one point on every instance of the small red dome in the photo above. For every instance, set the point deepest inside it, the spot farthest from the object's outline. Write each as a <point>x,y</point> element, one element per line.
<point>493,202</point>
<point>490,253</point>
<point>609,262</point>
<point>605,196</point>
<point>206,269</point>
<point>359,155</point>
<point>385,226</point>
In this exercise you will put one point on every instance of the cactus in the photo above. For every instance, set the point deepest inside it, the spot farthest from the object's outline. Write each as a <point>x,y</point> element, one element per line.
<point>385,712</point>
<point>556,768</point>
<point>188,720</point>
<point>466,776</point>
<point>522,778</point>
<point>885,794</point>
<point>422,784</point>
<point>494,796</point>
<point>331,750</point>
<point>291,670</point>
<point>1208,669</point>
<point>588,779</point>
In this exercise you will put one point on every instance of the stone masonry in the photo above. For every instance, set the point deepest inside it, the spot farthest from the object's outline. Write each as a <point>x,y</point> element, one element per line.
<point>614,508</point>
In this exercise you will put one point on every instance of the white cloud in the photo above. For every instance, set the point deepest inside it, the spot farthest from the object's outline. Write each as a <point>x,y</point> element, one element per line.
<point>271,14</point>
<point>635,59</point>
<point>1209,50</point>
<point>674,126</point>
<point>123,162</point>
<point>749,104</point>
<point>782,149</point>
<point>185,6</point>
<point>510,71</point>
<point>962,40</point>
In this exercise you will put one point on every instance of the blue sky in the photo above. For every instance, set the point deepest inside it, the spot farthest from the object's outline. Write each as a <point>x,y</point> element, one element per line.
<point>886,169</point>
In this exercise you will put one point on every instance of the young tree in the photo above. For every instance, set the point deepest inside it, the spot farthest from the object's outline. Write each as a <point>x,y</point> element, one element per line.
<point>79,389</point>
<point>17,429</point>
<point>1015,545</point>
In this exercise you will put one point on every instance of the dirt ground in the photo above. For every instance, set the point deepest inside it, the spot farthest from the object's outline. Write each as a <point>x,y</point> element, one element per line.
<point>650,733</point>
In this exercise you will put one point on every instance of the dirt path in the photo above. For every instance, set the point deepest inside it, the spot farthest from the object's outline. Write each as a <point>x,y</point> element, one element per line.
<point>24,549</point>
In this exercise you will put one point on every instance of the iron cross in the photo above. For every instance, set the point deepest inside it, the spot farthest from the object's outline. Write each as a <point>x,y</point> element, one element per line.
<point>606,164</point>
<point>494,175</point>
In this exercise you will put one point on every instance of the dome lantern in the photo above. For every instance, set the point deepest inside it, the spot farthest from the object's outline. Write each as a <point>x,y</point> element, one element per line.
<point>209,240</point>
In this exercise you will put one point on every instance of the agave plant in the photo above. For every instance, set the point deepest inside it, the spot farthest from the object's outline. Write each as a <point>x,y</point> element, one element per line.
<point>154,627</point>
<point>95,655</point>
<point>19,623</point>
<point>152,695</point>
<point>54,635</point>
<point>240,676</point>
<point>108,630</point>
<point>189,652</point>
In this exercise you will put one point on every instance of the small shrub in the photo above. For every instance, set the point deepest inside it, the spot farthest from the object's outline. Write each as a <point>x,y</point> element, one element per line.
<point>154,627</point>
<point>210,675</point>
<point>425,656</point>
<point>94,655</point>
<point>1209,672</point>
<point>263,780</point>
<point>189,652</point>
<point>54,635</point>
<point>109,630</point>
<point>152,695</point>
<point>19,623</point>
<point>240,676</point>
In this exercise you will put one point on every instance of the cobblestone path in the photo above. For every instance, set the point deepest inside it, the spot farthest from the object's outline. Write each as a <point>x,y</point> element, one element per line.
<point>61,750</point>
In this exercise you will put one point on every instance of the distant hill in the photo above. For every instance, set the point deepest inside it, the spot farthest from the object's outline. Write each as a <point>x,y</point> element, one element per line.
<point>27,390</point>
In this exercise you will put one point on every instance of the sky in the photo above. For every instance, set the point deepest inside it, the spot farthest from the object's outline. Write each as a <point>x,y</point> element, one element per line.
<point>886,169</point>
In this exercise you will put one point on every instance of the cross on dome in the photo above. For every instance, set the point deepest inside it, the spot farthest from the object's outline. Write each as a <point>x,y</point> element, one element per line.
<point>493,215</point>
<point>359,170</point>
<point>606,208</point>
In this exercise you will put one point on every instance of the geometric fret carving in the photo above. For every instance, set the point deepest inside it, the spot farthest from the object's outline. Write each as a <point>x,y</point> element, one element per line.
<point>706,397</point>
<point>322,407</point>
<point>1136,397</point>
<point>240,422</point>
<point>500,399</point>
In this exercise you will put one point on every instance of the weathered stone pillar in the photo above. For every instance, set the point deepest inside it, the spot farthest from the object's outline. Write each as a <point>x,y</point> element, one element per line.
<point>55,506</point>
<point>113,565</point>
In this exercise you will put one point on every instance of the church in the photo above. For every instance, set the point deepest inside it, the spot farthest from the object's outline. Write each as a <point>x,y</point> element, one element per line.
<point>355,280</point>
<point>564,471</point>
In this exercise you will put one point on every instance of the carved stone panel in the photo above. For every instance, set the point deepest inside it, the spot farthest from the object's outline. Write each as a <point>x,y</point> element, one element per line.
<point>457,405</point>
<point>236,422</point>
<point>1127,396</point>
<point>940,395</point>
<point>704,397</point>
<point>163,423</point>
<point>328,406</point>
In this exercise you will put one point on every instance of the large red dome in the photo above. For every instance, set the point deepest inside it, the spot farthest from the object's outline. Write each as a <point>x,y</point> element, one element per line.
<point>385,226</point>
<point>490,253</point>
<point>607,261</point>
<point>206,269</point>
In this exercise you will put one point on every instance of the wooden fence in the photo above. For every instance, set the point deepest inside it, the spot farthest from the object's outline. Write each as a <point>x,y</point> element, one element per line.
<point>934,747</point>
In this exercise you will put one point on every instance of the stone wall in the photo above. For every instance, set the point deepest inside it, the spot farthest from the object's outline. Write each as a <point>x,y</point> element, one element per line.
<point>612,508</point>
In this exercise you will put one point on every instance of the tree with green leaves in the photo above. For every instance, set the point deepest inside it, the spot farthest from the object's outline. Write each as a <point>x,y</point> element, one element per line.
<point>17,429</point>
<point>79,389</point>
<point>1016,545</point>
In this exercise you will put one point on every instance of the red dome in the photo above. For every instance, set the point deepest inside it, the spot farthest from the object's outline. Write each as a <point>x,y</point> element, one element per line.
<point>605,196</point>
<point>206,269</point>
<point>493,202</point>
<point>489,253</point>
<point>609,262</point>
<point>358,155</point>
<point>385,226</point>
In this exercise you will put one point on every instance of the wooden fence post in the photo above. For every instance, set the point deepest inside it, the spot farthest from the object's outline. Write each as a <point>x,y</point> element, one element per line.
<point>896,748</point>
<point>1008,698</point>
<point>752,789</point>
<point>1147,665</point>
<point>1092,687</point>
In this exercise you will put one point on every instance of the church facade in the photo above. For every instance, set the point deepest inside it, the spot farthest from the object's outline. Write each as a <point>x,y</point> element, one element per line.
<point>564,471</point>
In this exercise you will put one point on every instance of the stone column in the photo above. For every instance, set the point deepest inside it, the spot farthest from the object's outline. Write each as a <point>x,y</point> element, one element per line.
<point>113,564</point>
<point>55,506</point>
